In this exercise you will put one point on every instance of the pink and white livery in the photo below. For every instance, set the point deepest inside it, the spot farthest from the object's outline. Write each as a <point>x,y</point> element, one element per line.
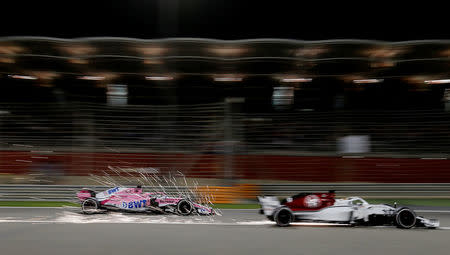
<point>135,200</point>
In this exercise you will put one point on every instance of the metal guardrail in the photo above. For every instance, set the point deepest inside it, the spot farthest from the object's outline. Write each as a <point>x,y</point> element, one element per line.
<point>398,190</point>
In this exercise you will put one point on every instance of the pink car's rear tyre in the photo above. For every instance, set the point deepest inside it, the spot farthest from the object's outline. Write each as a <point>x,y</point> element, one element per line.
<point>89,206</point>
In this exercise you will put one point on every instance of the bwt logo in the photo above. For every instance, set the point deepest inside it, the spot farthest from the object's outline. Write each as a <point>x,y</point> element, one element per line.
<point>203,210</point>
<point>110,191</point>
<point>134,204</point>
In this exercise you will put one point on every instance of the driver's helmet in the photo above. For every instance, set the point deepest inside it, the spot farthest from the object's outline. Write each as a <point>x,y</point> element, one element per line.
<point>138,189</point>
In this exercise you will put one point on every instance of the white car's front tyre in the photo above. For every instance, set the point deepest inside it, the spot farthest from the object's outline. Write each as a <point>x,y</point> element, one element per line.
<point>405,218</point>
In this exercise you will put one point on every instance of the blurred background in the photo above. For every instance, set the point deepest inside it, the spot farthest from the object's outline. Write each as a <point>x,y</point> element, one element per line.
<point>140,86</point>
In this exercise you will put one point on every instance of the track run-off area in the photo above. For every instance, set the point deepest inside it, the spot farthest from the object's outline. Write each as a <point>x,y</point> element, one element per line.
<point>237,231</point>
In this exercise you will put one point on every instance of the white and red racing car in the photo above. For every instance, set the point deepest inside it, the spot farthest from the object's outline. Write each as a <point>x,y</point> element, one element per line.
<point>135,200</point>
<point>324,207</point>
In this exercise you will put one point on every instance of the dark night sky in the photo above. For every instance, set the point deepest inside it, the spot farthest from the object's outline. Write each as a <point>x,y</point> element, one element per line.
<point>225,19</point>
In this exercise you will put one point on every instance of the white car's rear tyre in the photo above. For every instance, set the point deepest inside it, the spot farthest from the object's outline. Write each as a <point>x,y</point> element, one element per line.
<point>89,206</point>
<point>405,218</point>
<point>283,217</point>
<point>184,207</point>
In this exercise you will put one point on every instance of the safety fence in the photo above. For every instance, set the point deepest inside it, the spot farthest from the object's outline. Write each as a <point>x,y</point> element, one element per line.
<point>92,127</point>
<point>238,193</point>
<point>57,166</point>
<point>57,140</point>
<point>218,128</point>
<point>394,132</point>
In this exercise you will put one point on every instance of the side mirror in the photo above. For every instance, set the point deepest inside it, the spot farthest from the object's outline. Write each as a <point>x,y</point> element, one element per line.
<point>395,204</point>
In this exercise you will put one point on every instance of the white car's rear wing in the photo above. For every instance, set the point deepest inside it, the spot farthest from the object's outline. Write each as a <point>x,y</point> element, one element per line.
<point>269,204</point>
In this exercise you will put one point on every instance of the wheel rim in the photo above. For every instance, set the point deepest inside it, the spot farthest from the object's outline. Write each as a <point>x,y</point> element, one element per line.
<point>89,206</point>
<point>284,217</point>
<point>184,207</point>
<point>406,218</point>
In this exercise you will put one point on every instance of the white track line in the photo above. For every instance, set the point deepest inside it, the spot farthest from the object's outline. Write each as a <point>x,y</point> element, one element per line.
<point>255,223</point>
<point>242,223</point>
<point>255,210</point>
<point>163,223</point>
<point>432,211</point>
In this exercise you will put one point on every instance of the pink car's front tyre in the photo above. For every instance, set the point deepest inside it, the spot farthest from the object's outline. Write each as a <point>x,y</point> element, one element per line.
<point>184,207</point>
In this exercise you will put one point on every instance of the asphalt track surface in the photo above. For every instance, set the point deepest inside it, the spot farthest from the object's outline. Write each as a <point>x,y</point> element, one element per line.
<point>66,231</point>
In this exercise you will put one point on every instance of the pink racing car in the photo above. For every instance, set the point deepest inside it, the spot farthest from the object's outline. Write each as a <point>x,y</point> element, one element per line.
<point>135,200</point>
